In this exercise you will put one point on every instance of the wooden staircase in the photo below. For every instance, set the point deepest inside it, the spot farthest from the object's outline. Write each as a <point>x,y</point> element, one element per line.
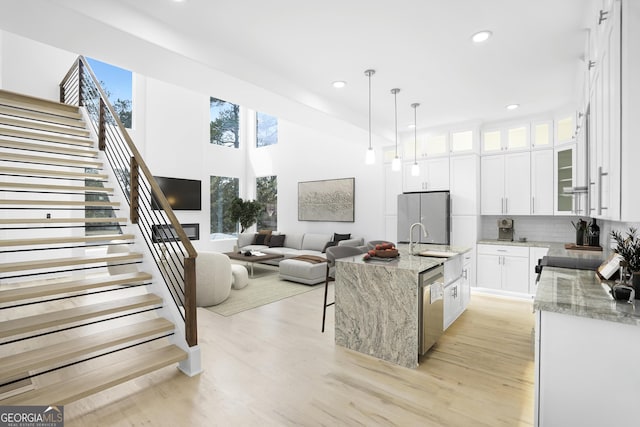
<point>75,317</point>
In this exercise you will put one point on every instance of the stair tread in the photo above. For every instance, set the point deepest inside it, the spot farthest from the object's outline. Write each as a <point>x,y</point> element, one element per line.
<point>44,173</point>
<point>100,379</point>
<point>62,352</point>
<point>26,292</point>
<point>7,267</point>
<point>55,187</point>
<point>5,221</point>
<point>28,158</point>
<point>57,202</point>
<point>51,319</point>
<point>53,149</point>
<point>72,239</point>
<point>41,136</point>
<point>38,104</point>
<point>42,116</point>
<point>30,124</point>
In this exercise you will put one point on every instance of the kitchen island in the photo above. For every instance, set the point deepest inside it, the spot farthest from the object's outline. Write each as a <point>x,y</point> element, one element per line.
<point>377,304</point>
<point>586,350</point>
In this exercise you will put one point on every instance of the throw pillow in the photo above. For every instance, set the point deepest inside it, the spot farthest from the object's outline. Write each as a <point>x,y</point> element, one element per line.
<point>260,239</point>
<point>328,245</point>
<point>337,237</point>
<point>277,241</point>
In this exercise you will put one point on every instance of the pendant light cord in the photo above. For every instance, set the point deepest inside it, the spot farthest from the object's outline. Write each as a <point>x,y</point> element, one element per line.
<point>415,133</point>
<point>395,107</point>
<point>369,72</point>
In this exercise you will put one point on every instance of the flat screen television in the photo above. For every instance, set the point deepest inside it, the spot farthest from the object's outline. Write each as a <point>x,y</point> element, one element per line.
<point>182,194</point>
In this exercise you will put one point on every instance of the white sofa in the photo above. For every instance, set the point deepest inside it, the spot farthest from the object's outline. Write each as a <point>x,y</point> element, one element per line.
<point>296,244</point>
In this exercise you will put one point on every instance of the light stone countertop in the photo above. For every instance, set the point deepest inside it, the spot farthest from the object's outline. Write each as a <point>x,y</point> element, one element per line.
<point>406,261</point>
<point>580,292</point>
<point>532,243</point>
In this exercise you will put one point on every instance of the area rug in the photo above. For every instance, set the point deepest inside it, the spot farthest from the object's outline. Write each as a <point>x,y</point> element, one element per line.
<point>264,288</point>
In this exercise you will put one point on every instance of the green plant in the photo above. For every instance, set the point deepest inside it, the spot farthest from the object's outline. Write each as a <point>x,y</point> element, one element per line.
<point>628,246</point>
<point>246,212</point>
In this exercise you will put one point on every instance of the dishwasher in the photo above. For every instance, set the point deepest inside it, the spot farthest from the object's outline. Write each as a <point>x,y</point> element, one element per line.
<point>431,307</point>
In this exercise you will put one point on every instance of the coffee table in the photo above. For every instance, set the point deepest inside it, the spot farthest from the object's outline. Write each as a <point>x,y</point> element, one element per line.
<point>250,260</point>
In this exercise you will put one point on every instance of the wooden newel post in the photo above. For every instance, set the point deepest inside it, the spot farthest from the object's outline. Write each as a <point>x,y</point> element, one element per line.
<point>190,316</point>
<point>102,126</point>
<point>134,184</point>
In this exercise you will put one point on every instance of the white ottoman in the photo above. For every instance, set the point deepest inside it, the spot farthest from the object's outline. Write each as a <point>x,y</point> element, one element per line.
<point>240,276</point>
<point>302,271</point>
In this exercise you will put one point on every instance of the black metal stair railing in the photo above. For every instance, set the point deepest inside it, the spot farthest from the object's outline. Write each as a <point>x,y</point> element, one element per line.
<point>171,248</point>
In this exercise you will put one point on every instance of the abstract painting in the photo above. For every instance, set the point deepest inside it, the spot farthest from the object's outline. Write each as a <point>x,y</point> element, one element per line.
<point>327,200</point>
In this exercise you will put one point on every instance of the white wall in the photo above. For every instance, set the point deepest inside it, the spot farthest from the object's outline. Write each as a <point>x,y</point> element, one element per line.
<point>171,130</point>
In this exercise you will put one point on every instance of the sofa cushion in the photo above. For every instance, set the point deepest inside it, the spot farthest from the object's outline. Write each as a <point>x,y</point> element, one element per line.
<point>277,241</point>
<point>245,239</point>
<point>337,237</point>
<point>294,240</point>
<point>351,242</point>
<point>259,239</point>
<point>315,241</point>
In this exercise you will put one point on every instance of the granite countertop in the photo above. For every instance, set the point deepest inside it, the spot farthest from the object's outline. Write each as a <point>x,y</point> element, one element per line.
<point>532,243</point>
<point>580,292</point>
<point>406,261</point>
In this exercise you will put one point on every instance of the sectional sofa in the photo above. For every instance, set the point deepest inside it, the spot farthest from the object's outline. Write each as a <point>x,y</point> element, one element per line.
<point>293,245</point>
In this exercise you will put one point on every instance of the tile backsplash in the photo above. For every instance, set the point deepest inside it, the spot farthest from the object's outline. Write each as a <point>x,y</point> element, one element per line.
<point>534,228</point>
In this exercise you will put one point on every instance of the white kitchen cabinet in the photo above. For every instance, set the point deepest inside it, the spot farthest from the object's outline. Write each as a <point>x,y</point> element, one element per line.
<point>434,175</point>
<point>436,144</point>
<point>565,129</point>
<point>464,180</point>
<point>503,267</point>
<point>565,179</point>
<point>542,134</point>
<point>463,141</point>
<point>507,138</point>
<point>535,253</point>
<point>542,182</point>
<point>453,301</point>
<point>467,280</point>
<point>506,184</point>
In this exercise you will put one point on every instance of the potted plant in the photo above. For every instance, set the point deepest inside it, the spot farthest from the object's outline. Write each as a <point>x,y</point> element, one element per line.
<point>246,212</point>
<point>628,247</point>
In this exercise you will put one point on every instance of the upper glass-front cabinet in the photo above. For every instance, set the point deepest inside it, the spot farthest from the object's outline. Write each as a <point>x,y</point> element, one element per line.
<point>565,129</point>
<point>462,141</point>
<point>436,144</point>
<point>542,134</point>
<point>512,138</point>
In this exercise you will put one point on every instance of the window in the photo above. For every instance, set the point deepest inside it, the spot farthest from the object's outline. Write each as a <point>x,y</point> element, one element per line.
<point>117,83</point>
<point>225,123</point>
<point>267,194</point>
<point>223,191</point>
<point>266,130</point>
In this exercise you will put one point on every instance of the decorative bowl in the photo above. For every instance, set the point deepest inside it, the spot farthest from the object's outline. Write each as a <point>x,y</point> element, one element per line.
<point>387,253</point>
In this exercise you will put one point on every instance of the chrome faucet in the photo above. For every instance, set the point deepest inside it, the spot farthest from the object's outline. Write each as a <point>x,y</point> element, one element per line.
<point>411,243</point>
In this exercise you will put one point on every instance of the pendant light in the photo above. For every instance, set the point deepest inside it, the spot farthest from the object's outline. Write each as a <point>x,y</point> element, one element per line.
<point>371,155</point>
<point>396,164</point>
<point>415,169</point>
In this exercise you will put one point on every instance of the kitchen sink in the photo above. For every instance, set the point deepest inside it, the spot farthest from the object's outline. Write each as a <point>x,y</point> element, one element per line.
<point>438,254</point>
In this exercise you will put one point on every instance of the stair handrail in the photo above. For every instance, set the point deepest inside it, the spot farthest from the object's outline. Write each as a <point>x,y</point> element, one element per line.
<point>76,71</point>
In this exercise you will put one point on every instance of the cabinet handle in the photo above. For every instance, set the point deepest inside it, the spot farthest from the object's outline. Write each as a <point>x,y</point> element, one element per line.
<point>602,17</point>
<point>600,175</point>
<point>533,205</point>
<point>506,205</point>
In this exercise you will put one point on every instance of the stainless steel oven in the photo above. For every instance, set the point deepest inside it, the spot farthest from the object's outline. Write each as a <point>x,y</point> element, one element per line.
<point>431,307</point>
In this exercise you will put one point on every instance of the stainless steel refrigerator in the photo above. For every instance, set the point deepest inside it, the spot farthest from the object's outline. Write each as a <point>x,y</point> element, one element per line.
<point>429,208</point>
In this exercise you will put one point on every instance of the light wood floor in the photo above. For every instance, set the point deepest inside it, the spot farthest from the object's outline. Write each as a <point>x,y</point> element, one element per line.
<point>271,366</point>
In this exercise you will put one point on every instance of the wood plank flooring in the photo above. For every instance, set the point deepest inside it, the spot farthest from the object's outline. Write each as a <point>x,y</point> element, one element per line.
<point>271,366</point>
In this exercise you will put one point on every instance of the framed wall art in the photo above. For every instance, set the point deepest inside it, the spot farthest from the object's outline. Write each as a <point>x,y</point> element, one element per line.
<point>327,200</point>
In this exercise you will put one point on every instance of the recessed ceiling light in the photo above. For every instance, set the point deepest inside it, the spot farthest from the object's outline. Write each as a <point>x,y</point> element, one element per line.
<point>512,106</point>
<point>339,84</point>
<point>481,36</point>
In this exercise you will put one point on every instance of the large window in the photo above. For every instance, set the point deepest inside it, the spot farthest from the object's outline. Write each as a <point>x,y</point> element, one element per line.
<point>223,191</point>
<point>266,130</point>
<point>225,123</point>
<point>267,194</point>
<point>117,83</point>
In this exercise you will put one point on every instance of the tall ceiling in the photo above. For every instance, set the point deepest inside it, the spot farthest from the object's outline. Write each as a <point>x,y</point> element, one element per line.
<point>298,48</point>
